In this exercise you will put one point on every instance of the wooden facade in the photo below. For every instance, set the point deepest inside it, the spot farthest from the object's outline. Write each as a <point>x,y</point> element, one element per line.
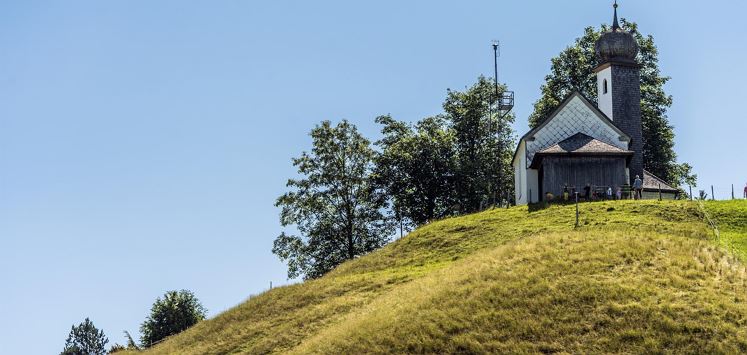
<point>577,171</point>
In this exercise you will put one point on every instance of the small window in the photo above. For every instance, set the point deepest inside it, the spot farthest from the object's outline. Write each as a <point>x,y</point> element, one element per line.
<point>604,87</point>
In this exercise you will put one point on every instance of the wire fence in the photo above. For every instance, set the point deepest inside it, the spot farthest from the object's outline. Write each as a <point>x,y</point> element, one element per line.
<point>710,221</point>
<point>710,193</point>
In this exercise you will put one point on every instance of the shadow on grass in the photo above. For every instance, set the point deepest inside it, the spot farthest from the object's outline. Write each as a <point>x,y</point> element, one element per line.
<point>539,206</point>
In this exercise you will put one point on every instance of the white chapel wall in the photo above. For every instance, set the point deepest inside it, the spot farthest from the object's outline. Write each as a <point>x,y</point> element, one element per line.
<point>520,179</point>
<point>605,99</point>
<point>533,185</point>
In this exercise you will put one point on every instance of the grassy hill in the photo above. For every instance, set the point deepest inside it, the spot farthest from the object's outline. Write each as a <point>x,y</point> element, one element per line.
<point>635,277</point>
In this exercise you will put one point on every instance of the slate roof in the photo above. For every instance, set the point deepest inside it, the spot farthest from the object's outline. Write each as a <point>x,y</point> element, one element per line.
<point>559,109</point>
<point>580,143</point>
<point>651,182</point>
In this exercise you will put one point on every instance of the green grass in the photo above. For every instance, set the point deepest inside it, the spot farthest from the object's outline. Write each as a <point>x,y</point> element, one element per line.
<point>731,220</point>
<point>635,277</point>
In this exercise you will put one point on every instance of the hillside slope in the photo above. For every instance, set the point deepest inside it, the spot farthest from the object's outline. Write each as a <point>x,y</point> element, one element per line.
<point>634,277</point>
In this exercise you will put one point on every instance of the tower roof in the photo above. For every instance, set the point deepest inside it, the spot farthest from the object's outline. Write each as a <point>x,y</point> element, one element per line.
<point>615,25</point>
<point>616,45</point>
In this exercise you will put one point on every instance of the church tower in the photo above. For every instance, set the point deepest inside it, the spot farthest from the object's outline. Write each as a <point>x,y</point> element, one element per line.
<point>619,88</point>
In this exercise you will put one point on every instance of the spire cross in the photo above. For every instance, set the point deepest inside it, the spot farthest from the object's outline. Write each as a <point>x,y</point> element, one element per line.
<point>615,24</point>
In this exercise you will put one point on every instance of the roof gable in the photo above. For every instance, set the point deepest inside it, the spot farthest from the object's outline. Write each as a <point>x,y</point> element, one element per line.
<point>574,115</point>
<point>653,182</point>
<point>564,103</point>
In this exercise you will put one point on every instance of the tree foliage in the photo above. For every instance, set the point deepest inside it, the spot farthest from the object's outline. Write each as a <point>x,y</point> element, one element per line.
<point>85,339</point>
<point>572,70</point>
<point>484,145</point>
<point>131,345</point>
<point>335,205</point>
<point>417,167</point>
<point>172,314</point>
<point>453,163</point>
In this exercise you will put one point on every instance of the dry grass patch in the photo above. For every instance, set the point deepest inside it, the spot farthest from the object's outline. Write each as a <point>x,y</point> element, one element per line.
<point>635,277</point>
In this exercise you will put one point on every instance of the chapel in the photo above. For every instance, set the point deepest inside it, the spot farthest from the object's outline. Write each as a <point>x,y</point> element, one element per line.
<point>581,143</point>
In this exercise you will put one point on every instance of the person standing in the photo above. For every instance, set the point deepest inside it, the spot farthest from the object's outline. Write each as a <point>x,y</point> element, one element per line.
<point>609,192</point>
<point>638,187</point>
<point>745,190</point>
<point>619,193</point>
<point>587,191</point>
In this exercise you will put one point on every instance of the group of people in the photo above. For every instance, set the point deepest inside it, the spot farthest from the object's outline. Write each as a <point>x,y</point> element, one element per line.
<point>592,192</point>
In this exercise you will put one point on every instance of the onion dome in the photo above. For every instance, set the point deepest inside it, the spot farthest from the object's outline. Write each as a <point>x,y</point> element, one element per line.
<point>616,45</point>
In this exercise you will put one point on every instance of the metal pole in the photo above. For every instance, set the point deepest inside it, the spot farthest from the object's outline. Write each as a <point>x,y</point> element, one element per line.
<point>576,209</point>
<point>399,216</point>
<point>691,192</point>
<point>499,188</point>
<point>732,191</point>
<point>713,197</point>
<point>495,63</point>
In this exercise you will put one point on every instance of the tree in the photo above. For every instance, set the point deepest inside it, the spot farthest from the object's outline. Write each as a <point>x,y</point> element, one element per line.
<point>335,205</point>
<point>417,168</point>
<point>177,311</point>
<point>85,339</point>
<point>131,345</point>
<point>572,70</point>
<point>484,145</point>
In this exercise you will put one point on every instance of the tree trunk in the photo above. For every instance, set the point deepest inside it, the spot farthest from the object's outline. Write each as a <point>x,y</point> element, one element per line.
<point>351,250</point>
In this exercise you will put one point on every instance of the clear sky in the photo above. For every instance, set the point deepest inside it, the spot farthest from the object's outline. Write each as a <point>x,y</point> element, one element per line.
<point>143,142</point>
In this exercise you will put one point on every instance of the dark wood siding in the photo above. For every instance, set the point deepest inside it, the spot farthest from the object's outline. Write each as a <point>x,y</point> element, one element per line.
<point>557,171</point>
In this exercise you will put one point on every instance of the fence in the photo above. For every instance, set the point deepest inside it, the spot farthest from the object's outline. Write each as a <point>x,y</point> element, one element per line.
<point>703,194</point>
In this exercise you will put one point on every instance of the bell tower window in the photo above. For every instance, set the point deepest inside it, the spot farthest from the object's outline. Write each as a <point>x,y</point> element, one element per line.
<point>604,87</point>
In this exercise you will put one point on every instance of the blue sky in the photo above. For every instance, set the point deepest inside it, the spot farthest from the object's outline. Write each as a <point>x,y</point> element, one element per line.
<point>142,143</point>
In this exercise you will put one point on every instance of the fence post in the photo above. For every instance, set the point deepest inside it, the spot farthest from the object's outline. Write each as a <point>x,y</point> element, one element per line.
<point>576,209</point>
<point>713,197</point>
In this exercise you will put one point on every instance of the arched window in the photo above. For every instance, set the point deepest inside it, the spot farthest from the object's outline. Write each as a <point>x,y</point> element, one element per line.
<point>604,87</point>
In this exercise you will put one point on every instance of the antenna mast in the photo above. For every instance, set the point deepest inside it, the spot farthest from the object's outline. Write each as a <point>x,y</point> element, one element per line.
<point>506,98</point>
<point>504,104</point>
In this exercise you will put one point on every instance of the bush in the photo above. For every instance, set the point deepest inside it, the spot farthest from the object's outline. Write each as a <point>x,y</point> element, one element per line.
<point>177,311</point>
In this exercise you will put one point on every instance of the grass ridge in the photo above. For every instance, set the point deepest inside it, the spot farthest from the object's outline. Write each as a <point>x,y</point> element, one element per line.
<point>634,277</point>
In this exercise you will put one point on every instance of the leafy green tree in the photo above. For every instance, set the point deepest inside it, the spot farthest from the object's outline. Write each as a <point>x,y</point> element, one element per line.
<point>172,314</point>
<point>572,70</point>
<point>85,339</point>
<point>484,145</point>
<point>335,205</point>
<point>131,345</point>
<point>417,167</point>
